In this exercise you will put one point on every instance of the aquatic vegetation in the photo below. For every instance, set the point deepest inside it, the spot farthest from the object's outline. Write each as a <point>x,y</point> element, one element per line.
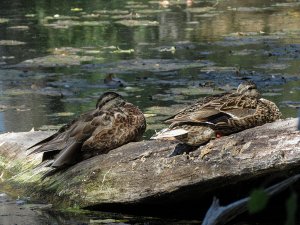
<point>11,42</point>
<point>3,20</point>
<point>56,61</point>
<point>133,23</point>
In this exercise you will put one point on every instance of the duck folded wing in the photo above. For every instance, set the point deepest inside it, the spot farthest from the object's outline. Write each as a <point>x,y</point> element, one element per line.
<point>110,133</point>
<point>56,143</point>
<point>60,134</point>
<point>239,108</point>
<point>75,132</point>
<point>221,109</point>
<point>68,156</point>
<point>202,115</point>
<point>192,108</point>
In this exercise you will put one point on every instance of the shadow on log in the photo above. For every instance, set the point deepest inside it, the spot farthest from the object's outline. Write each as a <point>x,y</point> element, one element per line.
<point>141,178</point>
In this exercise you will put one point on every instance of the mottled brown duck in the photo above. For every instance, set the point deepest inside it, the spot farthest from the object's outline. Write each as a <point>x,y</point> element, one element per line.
<point>218,115</point>
<point>113,123</point>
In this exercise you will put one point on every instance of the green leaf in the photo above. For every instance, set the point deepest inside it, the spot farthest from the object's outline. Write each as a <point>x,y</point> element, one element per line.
<point>291,207</point>
<point>258,201</point>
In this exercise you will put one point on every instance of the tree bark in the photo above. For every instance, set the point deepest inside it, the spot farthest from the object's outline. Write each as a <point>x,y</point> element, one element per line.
<point>142,176</point>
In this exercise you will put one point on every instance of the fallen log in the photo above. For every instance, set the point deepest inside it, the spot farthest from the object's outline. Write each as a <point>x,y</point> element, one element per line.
<point>139,177</point>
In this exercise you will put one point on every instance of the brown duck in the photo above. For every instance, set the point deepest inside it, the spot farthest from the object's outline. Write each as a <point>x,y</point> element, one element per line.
<point>113,123</point>
<point>219,115</point>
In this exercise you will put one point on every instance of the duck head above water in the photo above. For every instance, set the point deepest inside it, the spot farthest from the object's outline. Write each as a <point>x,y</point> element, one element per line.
<point>248,88</point>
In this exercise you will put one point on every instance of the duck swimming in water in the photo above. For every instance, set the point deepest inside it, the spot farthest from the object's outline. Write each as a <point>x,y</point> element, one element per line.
<point>218,115</point>
<point>114,82</point>
<point>113,123</point>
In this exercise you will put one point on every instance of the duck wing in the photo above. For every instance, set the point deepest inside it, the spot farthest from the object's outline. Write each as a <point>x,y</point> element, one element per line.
<point>60,131</point>
<point>220,109</point>
<point>120,126</point>
<point>57,141</point>
<point>194,107</point>
<point>239,107</point>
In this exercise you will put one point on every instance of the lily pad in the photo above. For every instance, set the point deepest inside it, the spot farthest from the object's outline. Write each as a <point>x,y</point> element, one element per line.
<point>92,15</point>
<point>11,42</point>
<point>69,23</point>
<point>3,20</point>
<point>152,11</point>
<point>134,23</point>
<point>76,9</point>
<point>271,94</point>
<point>154,65</point>
<point>207,15</point>
<point>30,15</point>
<point>60,114</point>
<point>148,115</point>
<point>167,97</point>
<point>55,61</point>
<point>129,16</point>
<point>200,9</point>
<point>115,11</point>
<point>51,127</point>
<point>249,9</point>
<point>291,104</point>
<point>136,6</point>
<point>273,66</point>
<point>192,91</point>
<point>16,92</point>
<point>287,4</point>
<point>128,51</point>
<point>171,49</point>
<point>19,27</point>
<point>244,52</point>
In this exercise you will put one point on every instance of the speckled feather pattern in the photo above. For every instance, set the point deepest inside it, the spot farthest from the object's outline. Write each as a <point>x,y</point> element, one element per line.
<point>113,123</point>
<point>222,115</point>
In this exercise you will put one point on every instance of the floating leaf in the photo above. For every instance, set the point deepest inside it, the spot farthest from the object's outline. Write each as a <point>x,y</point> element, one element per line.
<point>148,115</point>
<point>76,9</point>
<point>132,23</point>
<point>123,51</point>
<point>19,27</point>
<point>258,201</point>
<point>3,20</point>
<point>170,49</point>
<point>11,42</point>
<point>63,114</point>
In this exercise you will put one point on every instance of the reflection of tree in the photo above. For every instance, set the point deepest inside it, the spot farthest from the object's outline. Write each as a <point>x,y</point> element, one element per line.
<point>171,26</point>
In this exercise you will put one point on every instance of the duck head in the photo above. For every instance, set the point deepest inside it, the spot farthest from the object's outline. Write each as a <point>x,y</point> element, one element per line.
<point>248,88</point>
<point>114,82</point>
<point>109,99</point>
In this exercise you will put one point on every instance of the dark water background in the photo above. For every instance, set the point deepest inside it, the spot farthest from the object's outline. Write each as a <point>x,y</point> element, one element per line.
<point>54,55</point>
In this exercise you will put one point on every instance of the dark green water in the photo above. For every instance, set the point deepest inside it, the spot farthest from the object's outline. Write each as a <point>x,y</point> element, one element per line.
<point>54,55</point>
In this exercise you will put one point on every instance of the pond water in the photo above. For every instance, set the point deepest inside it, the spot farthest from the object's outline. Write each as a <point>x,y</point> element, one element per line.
<point>55,55</point>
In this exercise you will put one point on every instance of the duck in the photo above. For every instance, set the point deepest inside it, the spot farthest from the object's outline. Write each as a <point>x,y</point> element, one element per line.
<point>114,82</point>
<point>219,115</point>
<point>113,123</point>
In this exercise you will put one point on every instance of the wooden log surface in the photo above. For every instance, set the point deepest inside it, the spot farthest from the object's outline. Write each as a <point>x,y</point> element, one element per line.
<point>142,173</point>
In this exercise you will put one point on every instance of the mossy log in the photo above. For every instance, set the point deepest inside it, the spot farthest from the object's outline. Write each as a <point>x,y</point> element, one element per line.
<point>141,175</point>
